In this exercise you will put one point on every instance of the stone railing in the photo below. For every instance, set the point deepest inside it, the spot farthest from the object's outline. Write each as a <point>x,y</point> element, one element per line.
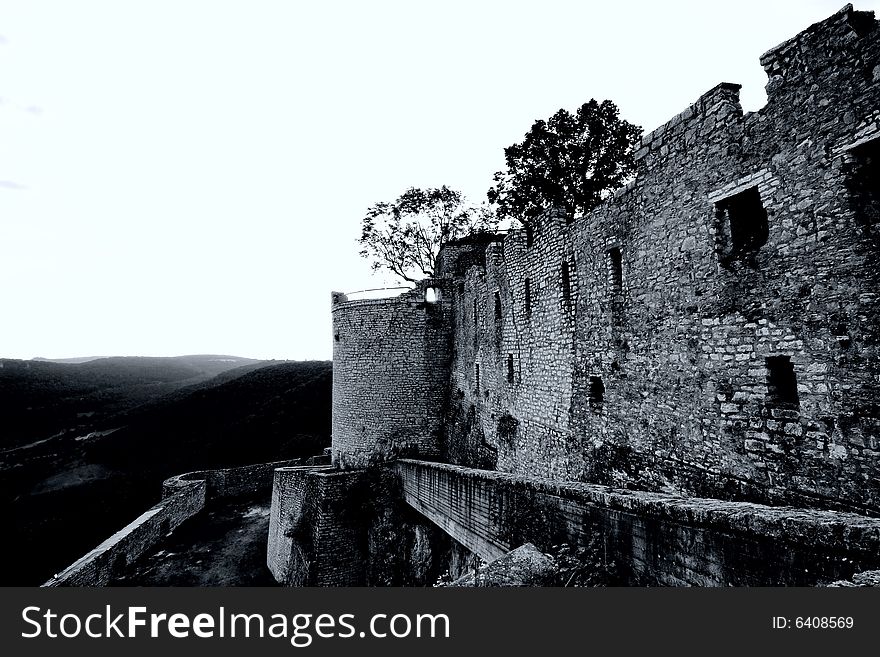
<point>183,496</point>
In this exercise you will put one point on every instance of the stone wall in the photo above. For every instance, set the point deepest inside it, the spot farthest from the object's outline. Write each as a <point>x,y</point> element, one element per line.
<point>390,375</point>
<point>654,539</point>
<point>111,557</point>
<point>242,481</point>
<point>331,527</point>
<point>314,538</point>
<point>183,496</point>
<point>712,328</point>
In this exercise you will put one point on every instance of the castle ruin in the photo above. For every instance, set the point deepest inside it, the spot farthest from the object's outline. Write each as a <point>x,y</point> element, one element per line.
<point>691,370</point>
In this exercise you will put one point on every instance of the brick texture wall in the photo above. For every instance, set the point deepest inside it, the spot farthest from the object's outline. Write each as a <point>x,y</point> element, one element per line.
<point>652,537</point>
<point>390,373</point>
<point>657,364</point>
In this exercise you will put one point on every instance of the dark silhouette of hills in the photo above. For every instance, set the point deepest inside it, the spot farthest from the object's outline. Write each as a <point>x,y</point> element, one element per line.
<point>242,416</point>
<point>77,360</point>
<point>41,398</point>
<point>66,491</point>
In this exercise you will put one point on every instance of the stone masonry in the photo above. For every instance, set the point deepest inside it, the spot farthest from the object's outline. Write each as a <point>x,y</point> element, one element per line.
<point>712,328</point>
<point>710,332</point>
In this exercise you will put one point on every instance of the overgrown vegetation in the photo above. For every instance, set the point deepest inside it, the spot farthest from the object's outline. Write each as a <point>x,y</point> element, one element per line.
<point>400,547</point>
<point>405,235</point>
<point>586,566</point>
<point>507,426</point>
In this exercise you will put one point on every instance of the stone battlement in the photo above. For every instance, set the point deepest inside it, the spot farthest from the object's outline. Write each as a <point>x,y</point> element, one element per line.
<point>710,330</point>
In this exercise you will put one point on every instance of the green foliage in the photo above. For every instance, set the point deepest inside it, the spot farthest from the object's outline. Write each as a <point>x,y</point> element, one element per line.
<point>569,161</point>
<point>377,511</point>
<point>585,566</point>
<point>404,236</point>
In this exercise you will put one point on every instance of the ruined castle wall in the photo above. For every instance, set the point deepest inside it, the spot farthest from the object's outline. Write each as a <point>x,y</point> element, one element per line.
<point>110,558</point>
<point>390,373</point>
<point>183,496</point>
<point>654,539</point>
<point>223,483</point>
<point>314,538</point>
<point>649,366</point>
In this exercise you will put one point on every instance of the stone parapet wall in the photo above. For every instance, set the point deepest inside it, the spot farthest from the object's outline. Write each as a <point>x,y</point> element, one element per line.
<point>110,558</point>
<point>314,538</point>
<point>652,538</point>
<point>233,482</point>
<point>183,496</point>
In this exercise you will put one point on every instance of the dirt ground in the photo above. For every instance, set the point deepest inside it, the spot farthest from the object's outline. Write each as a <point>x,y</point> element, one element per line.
<point>225,545</point>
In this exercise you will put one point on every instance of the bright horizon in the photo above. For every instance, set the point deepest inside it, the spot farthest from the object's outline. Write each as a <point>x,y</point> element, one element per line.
<point>189,178</point>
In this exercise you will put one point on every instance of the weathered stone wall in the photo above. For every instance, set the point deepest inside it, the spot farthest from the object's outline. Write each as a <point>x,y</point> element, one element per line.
<point>331,527</point>
<point>111,557</point>
<point>223,483</point>
<point>314,540</point>
<point>653,538</point>
<point>390,374</point>
<point>640,357</point>
<point>183,496</point>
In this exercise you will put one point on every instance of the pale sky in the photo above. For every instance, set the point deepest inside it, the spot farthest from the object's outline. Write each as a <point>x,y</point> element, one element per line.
<point>181,177</point>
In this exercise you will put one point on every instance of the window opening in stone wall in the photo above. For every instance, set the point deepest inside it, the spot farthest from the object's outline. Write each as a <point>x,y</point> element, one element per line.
<point>743,224</point>
<point>530,236</point>
<point>498,306</point>
<point>430,295</point>
<point>615,270</point>
<point>864,185</point>
<point>528,295</point>
<point>781,381</point>
<point>477,377</point>
<point>510,372</point>
<point>596,393</point>
<point>566,283</point>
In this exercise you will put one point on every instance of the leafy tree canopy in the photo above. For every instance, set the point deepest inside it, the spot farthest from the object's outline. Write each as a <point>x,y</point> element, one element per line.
<point>404,236</point>
<point>569,161</point>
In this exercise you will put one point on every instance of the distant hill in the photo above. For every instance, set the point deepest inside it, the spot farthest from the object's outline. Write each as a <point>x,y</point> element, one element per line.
<point>75,361</point>
<point>84,487</point>
<point>40,399</point>
<point>244,415</point>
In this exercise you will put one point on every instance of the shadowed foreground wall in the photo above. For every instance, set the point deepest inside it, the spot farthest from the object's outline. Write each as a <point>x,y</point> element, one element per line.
<point>654,538</point>
<point>314,536</point>
<point>183,496</point>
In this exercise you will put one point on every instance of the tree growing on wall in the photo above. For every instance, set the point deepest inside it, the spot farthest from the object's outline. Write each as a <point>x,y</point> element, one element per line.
<point>405,235</point>
<point>570,161</point>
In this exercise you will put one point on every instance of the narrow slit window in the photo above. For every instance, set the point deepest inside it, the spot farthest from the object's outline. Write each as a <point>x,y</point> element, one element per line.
<point>510,372</point>
<point>497,306</point>
<point>596,393</point>
<point>530,236</point>
<point>566,282</point>
<point>528,295</point>
<point>781,381</point>
<point>615,270</point>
